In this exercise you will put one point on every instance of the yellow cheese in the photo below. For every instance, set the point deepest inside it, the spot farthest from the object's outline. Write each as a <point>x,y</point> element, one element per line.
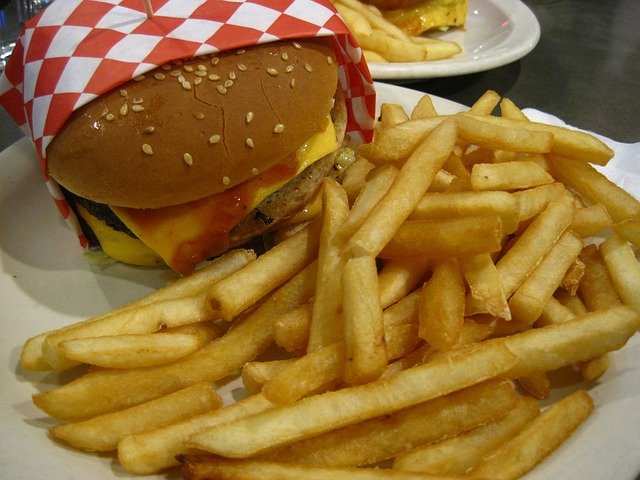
<point>434,14</point>
<point>119,245</point>
<point>183,234</point>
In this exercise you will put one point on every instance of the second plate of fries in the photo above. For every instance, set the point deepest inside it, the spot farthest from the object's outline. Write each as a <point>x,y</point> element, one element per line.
<point>435,365</point>
<point>496,32</point>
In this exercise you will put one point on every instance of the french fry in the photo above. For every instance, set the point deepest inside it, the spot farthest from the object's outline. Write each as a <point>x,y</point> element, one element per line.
<point>529,299</point>
<point>534,200</point>
<point>202,467</point>
<point>392,114</point>
<point>508,109</point>
<point>397,278</point>
<point>442,306</point>
<point>384,437</point>
<point>409,186</point>
<point>355,177</point>
<point>394,49</point>
<point>153,451</point>
<point>134,351</point>
<point>537,439</point>
<point>373,57</point>
<point>630,231</point>
<point>596,287</point>
<point>459,454</point>
<point>623,268</point>
<point>110,390</point>
<point>243,288</point>
<point>424,108</point>
<point>538,385</point>
<point>534,243</point>
<point>572,278</point>
<point>597,188</point>
<point>508,176</point>
<point>291,330</point>
<point>437,49</point>
<point>589,221</point>
<point>485,285</point>
<point>486,103</point>
<point>326,324</point>
<point>102,433</point>
<point>366,350</point>
<point>256,374</point>
<point>321,413</point>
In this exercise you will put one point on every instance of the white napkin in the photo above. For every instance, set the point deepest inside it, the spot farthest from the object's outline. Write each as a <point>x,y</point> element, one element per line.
<point>623,169</point>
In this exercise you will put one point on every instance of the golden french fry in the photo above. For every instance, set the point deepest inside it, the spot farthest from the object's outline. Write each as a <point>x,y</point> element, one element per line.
<point>486,103</point>
<point>384,437</point>
<point>393,49</point>
<point>508,109</point>
<point>441,239</point>
<point>366,350</point>
<point>571,280</point>
<point>573,302</point>
<point>566,142</point>
<point>459,454</point>
<point>594,368</point>
<point>373,57</point>
<point>596,287</point>
<point>321,413</point>
<point>403,312</point>
<point>256,374</point>
<point>397,278</point>
<point>326,325</point>
<point>630,231</point>
<point>291,330</point>
<point>485,285</point>
<point>153,451</point>
<point>589,221</point>
<point>538,385</point>
<point>409,186</point>
<point>392,114</point>
<point>537,439</point>
<point>534,243</point>
<point>183,298</point>
<point>441,311</point>
<point>424,108</point>
<point>508,176</point>
<point>133,351</point>
<point>375,18</point>
<point>534,200</point>
<point>240,290</point>
<point>478,130</point>
<point>355,177</point>
<point>623,268</point>
<point>529,299</point>
<point>437,49</point>
<point>597,188</point>
<point>110,390</point>
<point>102,433</point>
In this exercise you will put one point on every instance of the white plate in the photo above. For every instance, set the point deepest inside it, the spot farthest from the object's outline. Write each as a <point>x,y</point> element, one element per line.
<point>497,32</point>
<point>45,283</point>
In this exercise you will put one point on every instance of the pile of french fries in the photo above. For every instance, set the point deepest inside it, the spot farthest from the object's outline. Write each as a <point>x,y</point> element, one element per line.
<point>382,41</point>
<point>411,327</point>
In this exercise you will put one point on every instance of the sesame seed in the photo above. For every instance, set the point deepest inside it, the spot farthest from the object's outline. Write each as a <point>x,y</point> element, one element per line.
<point>146,148</point>
<point>150,129</point>
<point>124,109</point>
<point>159,76</point>
<point>284,56</point>
<point>214,77</point>
<point>228,83</point>
<point>329,60</point>
<point>188,159</point>
<point>188,68</point>
<point>137,108</point>
<point>249,117</point>
<point>254,171</point>
<point>308,67</point>
<point>177,62</point>
<point>296,45</point>
<point>175,73</point>
<point>181,78</point>
<point>109,117</point>
<point>123,93</point>
<point>202,68</point>
<point>272,71</point>
<point>241,51</point>
<point>200,73</point>
<point>104,112</point>
<point>279,128</point>
<point>213,139</point>
<point>199,115</point>
<point>242,67</point>
<point>186,85</point>
<point>249,142</point>
<point>222,89</point>
<point>226,180</point>
<point>292,83</point>
<point>214,61</point>
<point>232,75</point>
<point>138,100</point>
<point>197,81</point>
<point>289,69</point>
<point>166,67</point>
<point>139,78</point>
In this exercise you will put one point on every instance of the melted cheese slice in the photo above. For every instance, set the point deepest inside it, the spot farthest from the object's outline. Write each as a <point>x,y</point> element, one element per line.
<point>184,235</point>
<point>429,15</point>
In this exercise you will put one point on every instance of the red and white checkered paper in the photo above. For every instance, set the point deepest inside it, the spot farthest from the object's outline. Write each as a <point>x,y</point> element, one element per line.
<point>76,50</point>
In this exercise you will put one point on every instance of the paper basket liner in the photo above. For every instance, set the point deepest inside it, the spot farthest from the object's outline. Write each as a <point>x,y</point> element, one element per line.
<point>76,50</point>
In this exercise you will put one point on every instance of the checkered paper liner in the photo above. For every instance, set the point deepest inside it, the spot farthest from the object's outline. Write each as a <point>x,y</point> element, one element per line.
<point>76,50</point>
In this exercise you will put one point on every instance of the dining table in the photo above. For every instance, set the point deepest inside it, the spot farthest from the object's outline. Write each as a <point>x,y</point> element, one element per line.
<point>584,69</point>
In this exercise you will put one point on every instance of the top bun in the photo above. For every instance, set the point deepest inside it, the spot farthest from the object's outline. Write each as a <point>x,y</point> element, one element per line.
<point>196,127</point>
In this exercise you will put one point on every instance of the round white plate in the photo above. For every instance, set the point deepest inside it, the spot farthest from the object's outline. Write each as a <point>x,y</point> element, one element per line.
<point>497,32</point>
<point>45,283</point>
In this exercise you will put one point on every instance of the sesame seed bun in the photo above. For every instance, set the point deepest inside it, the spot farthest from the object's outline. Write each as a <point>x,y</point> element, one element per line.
<point>196,127</point>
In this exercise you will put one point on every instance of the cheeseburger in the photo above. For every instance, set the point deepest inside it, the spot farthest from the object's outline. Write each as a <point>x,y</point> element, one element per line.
<point>203,154</point>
